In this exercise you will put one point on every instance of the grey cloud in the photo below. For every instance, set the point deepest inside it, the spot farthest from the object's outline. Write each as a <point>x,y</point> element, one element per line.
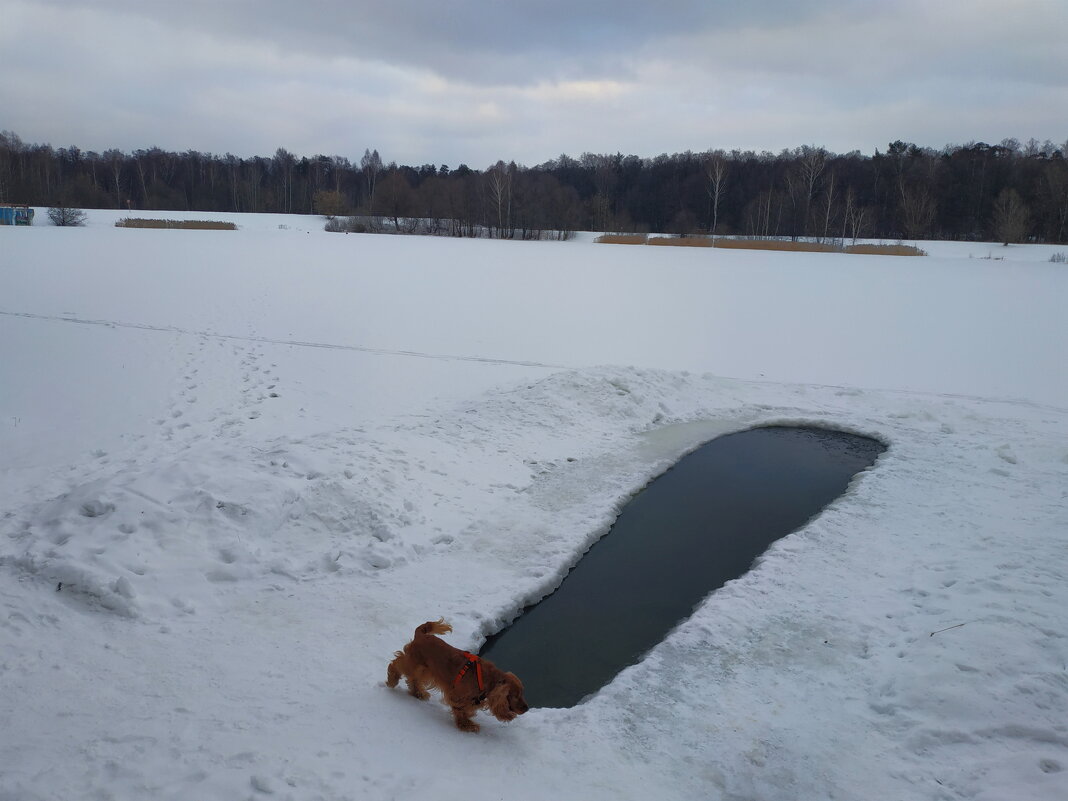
<point>466,81</point>
<point>471,40</point>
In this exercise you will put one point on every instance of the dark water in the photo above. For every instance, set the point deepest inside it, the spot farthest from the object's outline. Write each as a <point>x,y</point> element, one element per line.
<point>691,530</point>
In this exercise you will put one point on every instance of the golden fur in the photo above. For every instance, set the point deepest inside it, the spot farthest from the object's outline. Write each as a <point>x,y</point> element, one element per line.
<point>428,661</point>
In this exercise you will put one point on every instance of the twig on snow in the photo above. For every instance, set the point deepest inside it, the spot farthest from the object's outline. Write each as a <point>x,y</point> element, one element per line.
<point>947,628</point>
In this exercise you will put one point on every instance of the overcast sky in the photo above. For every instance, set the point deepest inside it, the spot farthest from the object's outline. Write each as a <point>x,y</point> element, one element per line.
<point>472,81</point>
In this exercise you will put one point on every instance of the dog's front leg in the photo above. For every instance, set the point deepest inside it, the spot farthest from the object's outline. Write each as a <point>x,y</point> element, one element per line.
<point>462,716</point>
<point>393,673</point>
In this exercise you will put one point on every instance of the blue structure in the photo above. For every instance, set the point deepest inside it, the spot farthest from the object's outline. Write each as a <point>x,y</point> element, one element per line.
<point>15,215</point>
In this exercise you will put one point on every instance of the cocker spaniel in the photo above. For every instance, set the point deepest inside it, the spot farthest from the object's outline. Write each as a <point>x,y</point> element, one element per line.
<point>467,683</point>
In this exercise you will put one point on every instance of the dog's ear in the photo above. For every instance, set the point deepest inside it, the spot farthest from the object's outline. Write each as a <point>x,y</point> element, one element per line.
<point>497,700</point>
<point>513,679</point>
<point>516,702</point>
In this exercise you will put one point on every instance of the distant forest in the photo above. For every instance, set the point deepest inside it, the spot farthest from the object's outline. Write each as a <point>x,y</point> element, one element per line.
<point>1005,192</point>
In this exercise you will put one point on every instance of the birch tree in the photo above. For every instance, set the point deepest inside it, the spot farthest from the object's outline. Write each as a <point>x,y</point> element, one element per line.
<point>715,165</point>
<point>371,164</point>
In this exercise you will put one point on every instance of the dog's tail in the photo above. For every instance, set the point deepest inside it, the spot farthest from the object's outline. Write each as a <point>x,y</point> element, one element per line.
<point>438,626</point>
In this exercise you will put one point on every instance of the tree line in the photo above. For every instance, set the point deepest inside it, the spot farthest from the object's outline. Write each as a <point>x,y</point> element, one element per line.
<point>977,191</point>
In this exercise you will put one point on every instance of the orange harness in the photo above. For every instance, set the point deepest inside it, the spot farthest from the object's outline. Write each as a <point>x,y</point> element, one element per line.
<point>472,659</point>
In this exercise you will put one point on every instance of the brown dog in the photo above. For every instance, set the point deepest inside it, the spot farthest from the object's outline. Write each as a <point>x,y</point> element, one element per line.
<point>467,683</point>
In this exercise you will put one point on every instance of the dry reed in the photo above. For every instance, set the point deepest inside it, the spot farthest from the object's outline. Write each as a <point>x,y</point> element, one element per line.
<point>682,242</point>
<point>621,239</point>
<point>776,244</point>
<point>206,225</point>
<point>760,244</point>
<point>886,250</point>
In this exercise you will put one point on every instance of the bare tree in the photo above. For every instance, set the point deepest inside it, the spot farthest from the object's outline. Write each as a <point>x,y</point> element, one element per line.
<point>115,160</point>
<point>432,203</point>
<point>605,180</point>
<point>64,215</point>
<point>759,222</point>
<point>284,161</point>
<point>1054,191</point>
<point>828,207</point>
<point>371,163</point>
<point>500,190</point>
<point>812,161</point>
<point>917,210</point>
<point>138,155</point>
<point>1012,219</point>
<point>715,166</point>
<point>397,198</point>
<point>339,165</point>
<point>854,217</point>
<point>328,202</point>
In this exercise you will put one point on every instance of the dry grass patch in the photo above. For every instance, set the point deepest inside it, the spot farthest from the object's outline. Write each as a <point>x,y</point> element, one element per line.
<point>682,242</point>
<point>621,239</point>
<point>760,244</point>
<point>185,225</point>
<point>886,250</point>
<point>777,244</point>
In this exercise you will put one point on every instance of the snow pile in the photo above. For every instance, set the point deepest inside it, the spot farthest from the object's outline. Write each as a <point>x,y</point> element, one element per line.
<point>237,473</point>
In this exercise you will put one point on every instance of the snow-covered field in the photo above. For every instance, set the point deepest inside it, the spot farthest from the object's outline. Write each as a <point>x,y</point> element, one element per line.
<point>238,468</point>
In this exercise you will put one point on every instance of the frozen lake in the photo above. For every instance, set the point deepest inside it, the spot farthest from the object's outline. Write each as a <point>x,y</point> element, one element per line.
<point>237,468</point>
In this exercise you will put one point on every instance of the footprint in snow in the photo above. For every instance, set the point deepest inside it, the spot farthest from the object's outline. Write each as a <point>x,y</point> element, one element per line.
<point>96,508</point>
<point>1005,452</point>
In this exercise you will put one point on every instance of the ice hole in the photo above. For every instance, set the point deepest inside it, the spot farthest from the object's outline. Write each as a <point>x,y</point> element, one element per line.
<point>688,532</point>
